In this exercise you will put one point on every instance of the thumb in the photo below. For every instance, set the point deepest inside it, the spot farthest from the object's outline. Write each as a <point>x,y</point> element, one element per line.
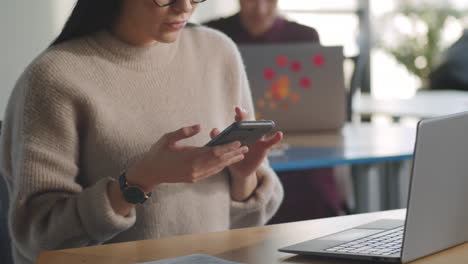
<point>269,142</point>
<point>214,132</point>
<point>182,133</point>
<point>241,114</point>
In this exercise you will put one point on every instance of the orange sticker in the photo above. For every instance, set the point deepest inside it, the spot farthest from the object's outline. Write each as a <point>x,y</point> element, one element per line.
<point>261,103</point>
<point>283,87</point>
<point>272,105</point>
<point>295,97</point>
<point>258,115</point>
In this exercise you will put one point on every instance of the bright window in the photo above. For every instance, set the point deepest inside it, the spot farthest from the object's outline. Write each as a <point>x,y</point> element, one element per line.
<point>338,24</point>
<point>335,20</point>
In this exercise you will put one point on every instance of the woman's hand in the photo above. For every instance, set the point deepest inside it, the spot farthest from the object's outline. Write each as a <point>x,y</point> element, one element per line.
<point>244,179</point>
<point>257,152</point>
<point>168,162</point>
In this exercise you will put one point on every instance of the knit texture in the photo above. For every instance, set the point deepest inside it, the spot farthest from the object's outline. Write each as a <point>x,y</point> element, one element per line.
<point>86,109</point>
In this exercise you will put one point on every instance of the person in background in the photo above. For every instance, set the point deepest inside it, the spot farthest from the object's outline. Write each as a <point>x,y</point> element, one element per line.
<point>258,21</point>
<point>311,193</point>
<point>104,135</point>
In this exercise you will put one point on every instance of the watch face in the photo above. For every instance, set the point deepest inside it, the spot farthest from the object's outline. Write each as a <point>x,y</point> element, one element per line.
<point>134,195</point>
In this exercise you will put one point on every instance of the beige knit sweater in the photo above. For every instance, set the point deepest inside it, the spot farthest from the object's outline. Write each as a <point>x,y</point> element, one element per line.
<point>86,109</point>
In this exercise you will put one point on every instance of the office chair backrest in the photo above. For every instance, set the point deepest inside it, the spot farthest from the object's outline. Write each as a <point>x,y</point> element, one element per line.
<point>5,242</point>
<point>360,65</point>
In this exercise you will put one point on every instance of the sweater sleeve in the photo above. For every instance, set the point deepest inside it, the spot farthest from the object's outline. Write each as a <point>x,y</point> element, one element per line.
<point>49,208</point>
<point>267,197</point>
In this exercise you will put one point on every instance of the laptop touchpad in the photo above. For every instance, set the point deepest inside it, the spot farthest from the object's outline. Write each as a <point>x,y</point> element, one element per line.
<point>351,234</point>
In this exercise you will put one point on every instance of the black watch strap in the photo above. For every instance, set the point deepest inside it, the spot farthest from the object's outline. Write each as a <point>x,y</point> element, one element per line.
<point>132,194</point>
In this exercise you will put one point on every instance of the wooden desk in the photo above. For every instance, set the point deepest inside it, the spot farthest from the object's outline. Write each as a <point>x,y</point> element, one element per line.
<point>424,104</point>
<point>256,245</point>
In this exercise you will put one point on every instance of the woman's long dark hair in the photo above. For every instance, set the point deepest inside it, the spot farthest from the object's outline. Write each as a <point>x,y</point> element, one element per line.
<point>88,17</point>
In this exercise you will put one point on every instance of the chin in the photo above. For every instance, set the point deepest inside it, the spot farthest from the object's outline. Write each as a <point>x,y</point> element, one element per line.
<point>168,37</point>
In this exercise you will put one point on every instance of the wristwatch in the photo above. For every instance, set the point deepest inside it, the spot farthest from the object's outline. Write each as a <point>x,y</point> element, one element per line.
<point>132,194</point>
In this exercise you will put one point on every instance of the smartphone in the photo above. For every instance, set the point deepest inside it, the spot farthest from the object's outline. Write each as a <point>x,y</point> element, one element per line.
<point>246,132</point>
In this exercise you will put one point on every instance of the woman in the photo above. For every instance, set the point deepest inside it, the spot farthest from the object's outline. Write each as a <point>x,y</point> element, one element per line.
<point>87,149</point>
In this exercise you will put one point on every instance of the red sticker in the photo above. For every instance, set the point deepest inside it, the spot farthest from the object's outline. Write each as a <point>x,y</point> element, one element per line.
<point>296,66</point>
<point>305,82</point>
<point>282,61</point>
<point>318,60</point>
<point>269,74</point>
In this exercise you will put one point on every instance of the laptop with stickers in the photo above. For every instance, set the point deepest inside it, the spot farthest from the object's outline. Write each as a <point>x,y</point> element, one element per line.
<point>300,86</point>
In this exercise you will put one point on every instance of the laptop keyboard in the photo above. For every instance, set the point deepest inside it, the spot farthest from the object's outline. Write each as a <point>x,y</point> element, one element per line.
<point>385,243</point>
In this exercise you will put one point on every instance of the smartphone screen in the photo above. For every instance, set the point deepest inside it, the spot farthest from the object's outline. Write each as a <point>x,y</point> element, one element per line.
<point>246,132</point>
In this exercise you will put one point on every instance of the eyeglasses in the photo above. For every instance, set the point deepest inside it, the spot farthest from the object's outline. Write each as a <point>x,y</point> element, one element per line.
<point>163,3</point>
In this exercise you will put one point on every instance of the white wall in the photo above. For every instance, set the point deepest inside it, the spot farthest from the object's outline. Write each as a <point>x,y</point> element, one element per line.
<point>215,8</point>
<point>27,27</point>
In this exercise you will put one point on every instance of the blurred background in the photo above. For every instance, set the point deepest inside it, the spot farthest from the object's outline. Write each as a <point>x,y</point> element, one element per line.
<point>402,39</point>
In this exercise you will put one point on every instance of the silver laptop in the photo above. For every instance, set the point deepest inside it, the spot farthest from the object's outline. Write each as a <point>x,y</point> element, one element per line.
<point>437,213</point>
<point>300,86</point>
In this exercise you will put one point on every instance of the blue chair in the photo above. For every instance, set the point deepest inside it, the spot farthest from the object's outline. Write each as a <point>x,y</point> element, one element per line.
<point>5,242</point>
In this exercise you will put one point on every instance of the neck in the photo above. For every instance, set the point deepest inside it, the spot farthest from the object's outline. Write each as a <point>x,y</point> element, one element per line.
<point>142,58</point>
<point>131,35</point>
